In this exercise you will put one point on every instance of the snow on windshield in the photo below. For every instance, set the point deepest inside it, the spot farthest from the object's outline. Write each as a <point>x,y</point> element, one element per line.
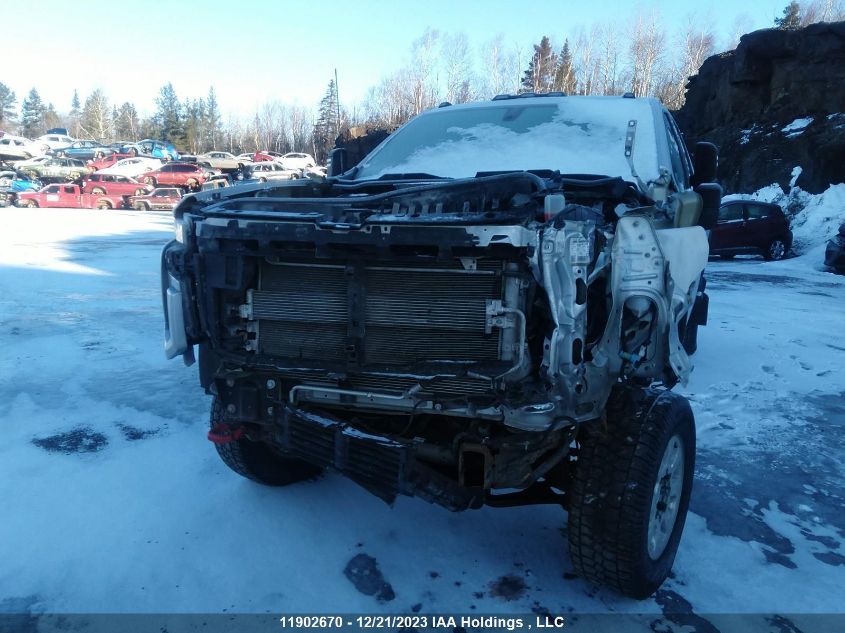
<point>576,135</point>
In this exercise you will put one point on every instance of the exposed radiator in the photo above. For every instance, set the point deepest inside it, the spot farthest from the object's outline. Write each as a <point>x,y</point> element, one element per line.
<point>307,311</point>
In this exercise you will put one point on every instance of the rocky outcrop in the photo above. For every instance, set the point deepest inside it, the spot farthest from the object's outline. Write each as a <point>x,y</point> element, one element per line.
<point>775,103</point>
<point>359,141</point>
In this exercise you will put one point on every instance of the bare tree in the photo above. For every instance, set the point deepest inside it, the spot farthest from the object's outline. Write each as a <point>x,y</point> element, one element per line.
<point>742,24</point>
<point>96,120</point>
<point>457,64</point>
<point>586,59</point>
<point>609,58</point>
<point>822,11</point>
<point>499,65</point>
<point>423,60</point>
<point>646,49</point>
<point>694,45</point>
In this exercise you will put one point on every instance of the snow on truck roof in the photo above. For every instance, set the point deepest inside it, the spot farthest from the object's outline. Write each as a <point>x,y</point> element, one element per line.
<point>574,135</point>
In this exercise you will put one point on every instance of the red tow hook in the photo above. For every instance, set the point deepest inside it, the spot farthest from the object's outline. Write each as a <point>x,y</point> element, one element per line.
<point>225,433</point>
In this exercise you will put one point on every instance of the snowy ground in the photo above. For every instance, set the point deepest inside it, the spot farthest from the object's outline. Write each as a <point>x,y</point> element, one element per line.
<point>114,501</point>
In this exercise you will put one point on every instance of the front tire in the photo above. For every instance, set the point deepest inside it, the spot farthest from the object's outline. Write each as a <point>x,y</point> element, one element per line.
<point>631,491</point>
<point>257,461</point>
<point>776,250</point>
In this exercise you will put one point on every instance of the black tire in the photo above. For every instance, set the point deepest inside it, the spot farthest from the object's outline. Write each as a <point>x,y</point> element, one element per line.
<point>257,461</point>
<point>614,487</point>
<point>142,206</point>
<point>776,250</point>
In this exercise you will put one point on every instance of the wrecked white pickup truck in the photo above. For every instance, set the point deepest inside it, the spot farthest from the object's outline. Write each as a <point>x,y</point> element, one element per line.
<point>490,309</point>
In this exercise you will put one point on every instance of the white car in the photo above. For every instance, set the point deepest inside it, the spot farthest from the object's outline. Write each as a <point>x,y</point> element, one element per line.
<point>245,158</point>
<point>32,162</point>
<point>271,170</point>
<point>296,160</point>
<point>18,148</point>
<point>132,167</point>
<point>53,141</point>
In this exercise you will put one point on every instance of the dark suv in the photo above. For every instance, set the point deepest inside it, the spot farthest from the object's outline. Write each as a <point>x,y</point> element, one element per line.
<point>747,227</point>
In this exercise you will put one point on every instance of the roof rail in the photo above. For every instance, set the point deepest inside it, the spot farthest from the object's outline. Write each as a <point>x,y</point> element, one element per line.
<point>444,104</point>
<point>629,95</point>
<point>529,95</point>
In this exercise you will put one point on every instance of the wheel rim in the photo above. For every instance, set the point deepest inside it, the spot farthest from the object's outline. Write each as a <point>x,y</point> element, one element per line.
<point>777,249</point>
<point>666,497</point>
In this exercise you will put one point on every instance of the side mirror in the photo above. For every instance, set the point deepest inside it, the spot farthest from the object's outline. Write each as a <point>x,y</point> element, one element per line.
<point>705,162</point>
<point>337,161</point>
<point>711,196</point>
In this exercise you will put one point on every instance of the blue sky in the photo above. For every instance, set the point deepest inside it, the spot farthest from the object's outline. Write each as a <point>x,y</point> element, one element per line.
<point>256,50</point>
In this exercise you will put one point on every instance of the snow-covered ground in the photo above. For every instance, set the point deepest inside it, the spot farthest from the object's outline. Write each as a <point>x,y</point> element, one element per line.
<point>114,501</point>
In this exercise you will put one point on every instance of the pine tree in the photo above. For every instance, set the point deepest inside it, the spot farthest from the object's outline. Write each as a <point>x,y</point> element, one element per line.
<point>539,75</point>
<point>564,71</point>
<point>32,115</point>
<point>126,125</point>
<point>74,114</point>
<point>791,19</point>
<point>195,118</point>
<point>327,128</point>
<point>7,104</point>
<point>51,118</point>
<point>213,133</point>
<point>169,119</point>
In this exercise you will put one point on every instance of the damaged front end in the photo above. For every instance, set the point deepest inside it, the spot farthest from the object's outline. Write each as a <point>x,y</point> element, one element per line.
<point>442,339</point>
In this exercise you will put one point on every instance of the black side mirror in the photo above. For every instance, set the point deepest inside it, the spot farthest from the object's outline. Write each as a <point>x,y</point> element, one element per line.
<point>705,162</point>
<point>711,196</point>
<point>337,161</point>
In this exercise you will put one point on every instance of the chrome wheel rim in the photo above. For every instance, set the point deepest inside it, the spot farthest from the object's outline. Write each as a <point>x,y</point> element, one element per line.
<point>777,249</point>
<point>666,497</point>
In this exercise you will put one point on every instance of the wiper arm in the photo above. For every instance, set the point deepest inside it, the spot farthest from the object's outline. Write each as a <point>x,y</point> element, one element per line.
<point>413,176</point>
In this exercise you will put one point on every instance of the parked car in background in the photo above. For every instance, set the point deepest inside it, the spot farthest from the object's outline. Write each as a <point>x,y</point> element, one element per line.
<point>216,182</point>
<point>84,150</point>
<point>245,158</point>
<point>132,167</point>
<point>750,227</point>
<point>58,169</point>
<point>151,149</point>
<point>114,184</point>
<point>219,160</point>
<point>18,148</point>
<point>13,183</point>
<point>265,155</point>
<point>53,142</point>
<point>177,175</point>
<point>297,160</point>
<point>161,198</point>
<point>269,170</point>
<point>67,196</point>
<point>18,181</point>
<point>834,254</point>
<point>38,160</point>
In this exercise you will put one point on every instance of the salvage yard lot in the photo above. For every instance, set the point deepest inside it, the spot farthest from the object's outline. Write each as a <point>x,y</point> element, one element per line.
<point>115,501</point>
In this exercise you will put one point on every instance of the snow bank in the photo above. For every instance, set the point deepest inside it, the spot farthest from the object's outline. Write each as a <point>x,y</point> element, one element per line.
<point>814,218</point>
<point>797,126</point>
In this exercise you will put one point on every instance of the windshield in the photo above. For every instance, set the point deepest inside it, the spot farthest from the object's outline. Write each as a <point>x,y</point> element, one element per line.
<point>576,135</point>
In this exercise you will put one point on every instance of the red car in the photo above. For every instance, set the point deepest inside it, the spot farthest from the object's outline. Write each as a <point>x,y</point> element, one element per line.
<point>185,175</point>
<point>749,227</point>
<point>265,155</point>
<point>162,198</point>
<point>114,184</point>
<point>67,196</point>
<point>106,161</point>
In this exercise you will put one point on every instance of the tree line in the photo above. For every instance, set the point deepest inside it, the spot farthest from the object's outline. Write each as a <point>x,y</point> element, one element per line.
<point>636,55</point>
